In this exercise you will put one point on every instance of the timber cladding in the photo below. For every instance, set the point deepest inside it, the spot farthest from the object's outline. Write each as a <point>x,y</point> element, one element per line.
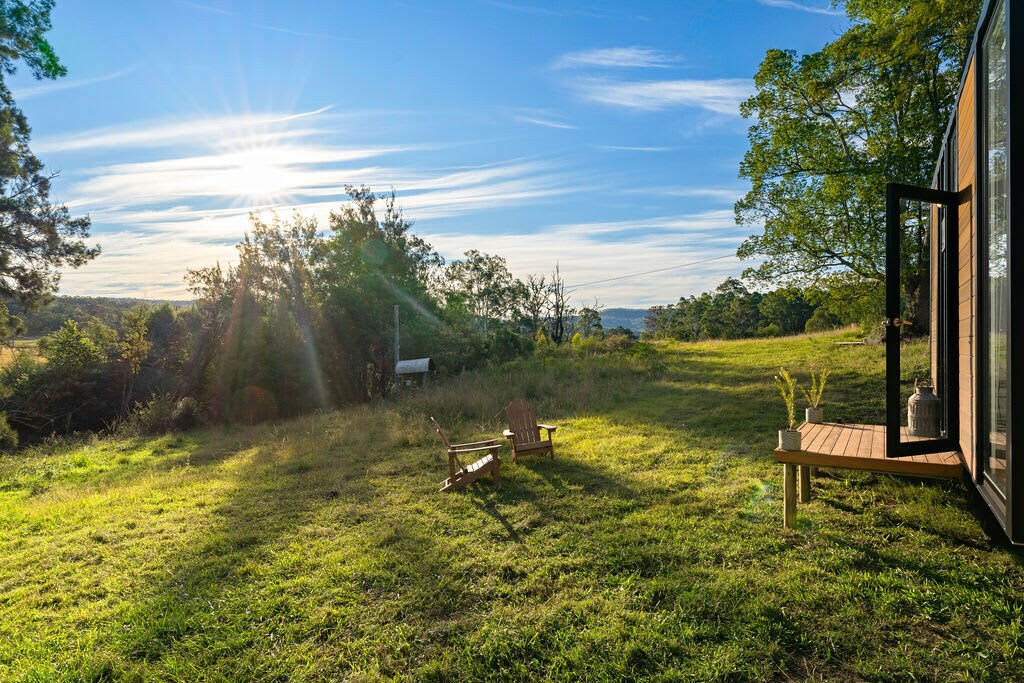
<point>966,258</point>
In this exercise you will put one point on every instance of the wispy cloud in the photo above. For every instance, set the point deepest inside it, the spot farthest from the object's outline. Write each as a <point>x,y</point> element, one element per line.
<point>545,122</point>
<point>549,11</point>
<point>802,6</point>
<point>301,34</point>
<point>213,9</point>
<point>66,84</point>
<point>614,57</point>
<point>278,171</point>
<point>633,148</point>
<point>587,252</point>
<point>721,96</point>
<point>153,134</point>
<point>718,193</point>
<point>156,219</point>
<point>257,162</point>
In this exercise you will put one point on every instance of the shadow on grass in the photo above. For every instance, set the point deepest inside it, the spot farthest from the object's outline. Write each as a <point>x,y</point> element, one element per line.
<point>271,498</point>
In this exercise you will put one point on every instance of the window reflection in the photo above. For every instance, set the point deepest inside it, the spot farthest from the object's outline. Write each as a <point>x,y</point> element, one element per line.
<point>997,309</point>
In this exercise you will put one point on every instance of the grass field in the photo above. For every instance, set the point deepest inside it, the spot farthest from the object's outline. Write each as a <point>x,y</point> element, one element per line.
<point>650,548</point>
<point>9,353</point>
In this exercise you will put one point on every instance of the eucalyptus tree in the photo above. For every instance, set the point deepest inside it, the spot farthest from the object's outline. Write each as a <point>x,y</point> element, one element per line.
<point>832,127</point>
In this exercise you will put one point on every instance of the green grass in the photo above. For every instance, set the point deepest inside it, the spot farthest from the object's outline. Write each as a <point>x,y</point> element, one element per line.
<point>650,548</point>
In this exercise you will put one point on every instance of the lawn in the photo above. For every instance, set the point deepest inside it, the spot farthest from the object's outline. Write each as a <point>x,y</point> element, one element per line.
<point>650,547</point>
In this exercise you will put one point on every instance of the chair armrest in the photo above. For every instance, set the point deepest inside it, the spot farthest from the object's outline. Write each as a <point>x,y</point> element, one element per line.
<point>508,433</point>
<point>487,442</point>
<point>550,428</point>
<point>474,449</point>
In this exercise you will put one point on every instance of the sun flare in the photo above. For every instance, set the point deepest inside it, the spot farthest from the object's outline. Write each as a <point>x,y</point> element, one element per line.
<point>259,175</point>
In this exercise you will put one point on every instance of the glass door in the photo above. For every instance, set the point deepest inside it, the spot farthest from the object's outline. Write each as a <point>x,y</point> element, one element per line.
<point>920,309</point>
<point>994,289</point>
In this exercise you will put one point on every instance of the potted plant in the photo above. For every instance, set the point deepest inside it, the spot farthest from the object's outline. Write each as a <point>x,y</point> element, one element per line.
<point>814,412</point>
<point>789,438</point>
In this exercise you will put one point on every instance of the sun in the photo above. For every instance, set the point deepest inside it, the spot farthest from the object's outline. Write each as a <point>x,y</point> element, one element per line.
<point>259,176</point>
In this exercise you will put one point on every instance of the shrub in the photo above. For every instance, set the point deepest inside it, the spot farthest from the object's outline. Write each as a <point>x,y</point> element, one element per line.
<point>161,414</point>
<point>8,437</point>
<point>821,321</point>
<point>618,342</point>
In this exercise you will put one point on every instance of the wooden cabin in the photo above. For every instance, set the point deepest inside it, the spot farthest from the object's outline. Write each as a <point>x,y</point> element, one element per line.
<point>973,319</point>
<point>953,250</point>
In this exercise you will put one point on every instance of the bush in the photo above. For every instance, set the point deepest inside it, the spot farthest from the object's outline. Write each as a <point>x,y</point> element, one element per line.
<point>821,321</point>
<point>161,414</point>
<point>8,437</point>
<point>618,342</point>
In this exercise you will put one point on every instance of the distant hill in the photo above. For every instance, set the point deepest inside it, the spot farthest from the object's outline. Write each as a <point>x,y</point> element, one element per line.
<point>107,310</point>
<point>630,318</point>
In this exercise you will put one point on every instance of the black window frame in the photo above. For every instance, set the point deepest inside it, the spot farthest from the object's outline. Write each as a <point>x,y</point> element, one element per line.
<point>1007,510</point>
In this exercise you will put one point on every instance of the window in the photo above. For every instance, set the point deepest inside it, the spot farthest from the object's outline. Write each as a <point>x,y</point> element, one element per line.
<point>996,230</point>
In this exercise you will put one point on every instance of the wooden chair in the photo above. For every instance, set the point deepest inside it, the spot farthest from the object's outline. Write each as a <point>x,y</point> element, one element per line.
<point>523,431</point>
<point>458,474</point>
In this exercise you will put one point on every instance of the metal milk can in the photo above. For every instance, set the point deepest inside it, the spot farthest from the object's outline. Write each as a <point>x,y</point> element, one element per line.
<point>923,410</point>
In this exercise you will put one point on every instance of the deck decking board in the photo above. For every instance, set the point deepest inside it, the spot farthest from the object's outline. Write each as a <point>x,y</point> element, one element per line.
<point>862,447</point>
<point>877,443</point>
<point>816,435</point>
<point>842,442</point>
<point>829,442</point>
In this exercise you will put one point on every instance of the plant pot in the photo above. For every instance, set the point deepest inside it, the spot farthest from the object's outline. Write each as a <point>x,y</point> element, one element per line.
<point>814,415</point>
<point>789,439</point>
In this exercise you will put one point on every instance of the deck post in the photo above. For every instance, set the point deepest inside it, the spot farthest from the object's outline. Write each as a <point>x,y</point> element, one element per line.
<point>789,495</point>
<point>805,483</point>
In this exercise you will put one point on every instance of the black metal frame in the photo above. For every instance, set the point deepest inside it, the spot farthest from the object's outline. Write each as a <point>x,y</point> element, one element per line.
<point>895,448</point>
<point>1009,514</point>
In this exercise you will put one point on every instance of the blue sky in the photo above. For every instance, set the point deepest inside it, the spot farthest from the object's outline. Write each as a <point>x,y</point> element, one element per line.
<point>602,136</point>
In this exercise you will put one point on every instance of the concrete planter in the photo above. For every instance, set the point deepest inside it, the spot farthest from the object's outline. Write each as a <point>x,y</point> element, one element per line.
<point>789,440</point>
<point>815,415</point>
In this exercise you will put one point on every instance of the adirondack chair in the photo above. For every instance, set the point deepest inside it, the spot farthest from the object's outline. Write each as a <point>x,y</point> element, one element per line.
<point>523,431</point>
<point>458,474</point>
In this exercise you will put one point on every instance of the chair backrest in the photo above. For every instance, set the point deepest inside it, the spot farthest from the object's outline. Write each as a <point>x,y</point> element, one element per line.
<point>437,428</point>
<point>522,421</point>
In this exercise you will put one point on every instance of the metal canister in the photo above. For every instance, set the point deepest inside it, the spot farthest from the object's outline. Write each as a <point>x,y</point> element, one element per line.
<point>923,411</point>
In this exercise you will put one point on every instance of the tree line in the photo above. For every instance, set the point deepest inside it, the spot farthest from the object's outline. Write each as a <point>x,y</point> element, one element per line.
<point>732,311</point>
<point>303,321</point>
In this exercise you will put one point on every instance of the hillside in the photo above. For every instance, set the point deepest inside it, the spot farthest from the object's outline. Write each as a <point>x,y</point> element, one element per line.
<point>630,318</point>
<point>107,310</point>
<point>649,548</point>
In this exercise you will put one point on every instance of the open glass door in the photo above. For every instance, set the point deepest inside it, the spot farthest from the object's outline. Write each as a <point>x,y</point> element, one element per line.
<point>921,318</point>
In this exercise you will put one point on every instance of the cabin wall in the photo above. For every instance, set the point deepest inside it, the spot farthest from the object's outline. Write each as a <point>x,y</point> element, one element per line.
<point>967,263</point>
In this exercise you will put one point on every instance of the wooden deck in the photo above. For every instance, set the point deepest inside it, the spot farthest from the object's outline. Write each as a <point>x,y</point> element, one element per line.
<point>852,447</point>
<point>862,447</point>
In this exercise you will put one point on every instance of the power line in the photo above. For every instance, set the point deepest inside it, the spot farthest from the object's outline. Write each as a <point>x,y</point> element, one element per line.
<point>649,272</point>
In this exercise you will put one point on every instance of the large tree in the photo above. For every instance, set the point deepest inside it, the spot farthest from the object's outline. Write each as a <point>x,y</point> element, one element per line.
<point>832,127</point>
<point>37,237</point>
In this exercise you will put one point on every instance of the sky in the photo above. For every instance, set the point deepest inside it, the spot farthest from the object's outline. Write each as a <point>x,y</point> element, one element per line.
<point>601,137</point>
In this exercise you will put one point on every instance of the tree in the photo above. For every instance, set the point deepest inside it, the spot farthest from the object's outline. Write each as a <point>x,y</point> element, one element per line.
<point>787,308</point>
<point>537,300</point>
<point>37,237</point>
<point>588,322</point>
<point>366,265</point>
<point>485,286</point>
<point>560,310</point>
<point>133,347</point>
<point>834,126</point>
